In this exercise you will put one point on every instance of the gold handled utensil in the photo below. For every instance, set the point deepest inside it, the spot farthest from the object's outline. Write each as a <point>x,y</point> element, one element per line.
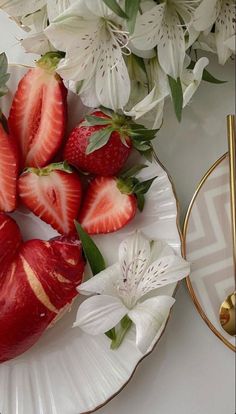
<point>228,307</point>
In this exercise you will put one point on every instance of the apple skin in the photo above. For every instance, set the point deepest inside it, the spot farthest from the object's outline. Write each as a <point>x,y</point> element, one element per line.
<point>38,280</point>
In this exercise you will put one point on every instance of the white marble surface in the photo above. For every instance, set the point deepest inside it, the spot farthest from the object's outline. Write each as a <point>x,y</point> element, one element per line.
<point>190,371</point>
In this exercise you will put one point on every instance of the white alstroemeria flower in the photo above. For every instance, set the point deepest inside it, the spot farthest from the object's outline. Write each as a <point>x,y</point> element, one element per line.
<point>191,79</point>
<point>94,44</point>
<point>122,290</point>
<point>18,8</point>
<point>163,26</point>
<point>222,13</point>
<point>36,41</point>
<point>154,102</point>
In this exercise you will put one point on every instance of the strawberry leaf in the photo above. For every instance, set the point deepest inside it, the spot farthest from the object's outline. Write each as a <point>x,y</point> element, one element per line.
<point>3,63</point>
<point>141,146</point>
<point>4,76</point>
<point>132,171</point>
<point>99,139</point>
<point>91,251</point>
<point>143,187</point>
<point>140,201</point>
<point>139,132</point>
<point>93,120</point>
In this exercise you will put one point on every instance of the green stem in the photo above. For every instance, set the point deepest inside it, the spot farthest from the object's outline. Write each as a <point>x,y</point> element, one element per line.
<point>125,326</point>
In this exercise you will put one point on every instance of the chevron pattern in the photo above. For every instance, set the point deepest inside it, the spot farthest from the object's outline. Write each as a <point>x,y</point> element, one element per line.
<point>209,245</point>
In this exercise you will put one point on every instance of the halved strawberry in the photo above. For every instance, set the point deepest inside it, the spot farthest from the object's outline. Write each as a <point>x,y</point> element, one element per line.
<point>52,193</point>
<point>9,165</point>
<point>38,114</point>
<point>101,144</point>
<point>110,203</point>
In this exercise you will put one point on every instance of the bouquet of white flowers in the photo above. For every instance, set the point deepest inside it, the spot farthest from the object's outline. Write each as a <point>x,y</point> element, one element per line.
<point>129,55</point>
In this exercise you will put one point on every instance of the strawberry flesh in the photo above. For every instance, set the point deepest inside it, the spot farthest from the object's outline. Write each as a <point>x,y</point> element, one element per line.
<point>105,208</point>
<point>36,286</point>
<point>9,165</point>
<point>106,161</point>
<point>38,116</point>
<point>55,198</point>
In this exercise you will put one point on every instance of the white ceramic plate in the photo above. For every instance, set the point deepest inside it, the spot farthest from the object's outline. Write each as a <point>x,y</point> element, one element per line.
<point>208,246</point>
<point>67,371</point>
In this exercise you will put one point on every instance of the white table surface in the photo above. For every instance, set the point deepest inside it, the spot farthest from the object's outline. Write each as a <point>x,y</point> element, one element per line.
<point>191,371</point>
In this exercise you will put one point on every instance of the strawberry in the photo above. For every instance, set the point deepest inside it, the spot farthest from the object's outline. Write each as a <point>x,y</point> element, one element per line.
<point>9,156</point>
<point>101,144</point>
<point>38,114</point>
<point>9,163</point>
<point>111,203</point>
<point>52,193</point>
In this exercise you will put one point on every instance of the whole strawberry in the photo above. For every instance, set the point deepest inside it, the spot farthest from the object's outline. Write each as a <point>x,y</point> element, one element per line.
<point>101,144</point>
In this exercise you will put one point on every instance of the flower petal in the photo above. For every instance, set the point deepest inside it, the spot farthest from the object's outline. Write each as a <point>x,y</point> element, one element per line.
<point>112,78</point>
<point>37,43</point>
<point>206,14</point>
<point>171,47</point>
<point>98,314</point>
<point>197,72</point>
<point>230,43</point>
<point>103,283</point>
<point>225,29</point>
<point>148,28</point>
<point>149,316</point>
<point>98,8</point>
<point>21,7</point>
<point>167,268</point>
<point>134,254</point>
<point>56,7</point>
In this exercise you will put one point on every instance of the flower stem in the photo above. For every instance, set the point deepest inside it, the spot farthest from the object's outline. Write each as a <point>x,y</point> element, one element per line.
<point>125,325</point>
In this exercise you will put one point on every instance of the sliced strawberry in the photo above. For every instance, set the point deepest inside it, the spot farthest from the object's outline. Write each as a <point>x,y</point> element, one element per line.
<point>9,165</point>
<point>105,208</point>
<point>111,202</point>
<point>10,240</point>
<point>38,116</point>
<point>53,194</point>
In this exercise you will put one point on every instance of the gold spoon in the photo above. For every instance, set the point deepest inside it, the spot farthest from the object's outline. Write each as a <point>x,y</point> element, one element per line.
<point>228,307</point>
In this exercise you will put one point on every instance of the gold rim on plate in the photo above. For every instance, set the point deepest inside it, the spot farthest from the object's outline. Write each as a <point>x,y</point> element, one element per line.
<point>188,281</point>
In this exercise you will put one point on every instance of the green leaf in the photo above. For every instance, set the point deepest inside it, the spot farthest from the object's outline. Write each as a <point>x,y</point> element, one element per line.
<point>111,334</point>
<point>3,90</point>
<point>125,326</point>
<point>99,139</point>
<point>3,64</point>
<point>4,78</point>
<point>206,76</point>
<point>91,251</point>
<point>96,120</point>
<point>140,201</point>
<point>131,9</point>
<point>56,166</point>
<point>143,187</point>
<point>177,96</point>
<point>114,6</point>
<point>140,62</point>
<point>140,132</point>
<point>141,146</point>
<point>132,171</point>
<point>148,154</point>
